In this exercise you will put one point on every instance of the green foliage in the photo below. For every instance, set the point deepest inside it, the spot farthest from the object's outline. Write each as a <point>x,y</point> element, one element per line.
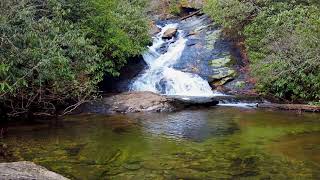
<point>314,103</point>
<point>127,33</point>
<point>233,15</point>
<point>53,52</point>
<point>282,39</point>
<point>174,7</point>
<point>287,52</point>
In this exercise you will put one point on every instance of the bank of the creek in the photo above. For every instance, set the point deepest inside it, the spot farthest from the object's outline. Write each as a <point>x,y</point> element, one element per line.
<point>213,143</point>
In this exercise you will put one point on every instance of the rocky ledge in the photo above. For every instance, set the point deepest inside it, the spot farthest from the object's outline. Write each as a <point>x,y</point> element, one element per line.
<point>132,102</point>
<point>27,170</point>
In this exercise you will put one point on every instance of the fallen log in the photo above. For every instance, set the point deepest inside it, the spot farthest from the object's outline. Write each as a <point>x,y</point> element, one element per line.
<point>292,107</point>
<point>190,15</point>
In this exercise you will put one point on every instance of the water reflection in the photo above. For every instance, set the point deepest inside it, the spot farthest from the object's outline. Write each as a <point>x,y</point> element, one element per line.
<point>195,125</point>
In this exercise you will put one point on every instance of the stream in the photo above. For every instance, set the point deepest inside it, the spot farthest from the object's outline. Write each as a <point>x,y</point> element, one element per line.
<point>219,142</point>
<point>161,77</point>
<point>213,143</point>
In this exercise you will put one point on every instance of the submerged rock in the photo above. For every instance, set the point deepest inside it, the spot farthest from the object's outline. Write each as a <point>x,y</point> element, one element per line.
<point>170,33</point>
<point>27,170</point>
<point>143,101</point>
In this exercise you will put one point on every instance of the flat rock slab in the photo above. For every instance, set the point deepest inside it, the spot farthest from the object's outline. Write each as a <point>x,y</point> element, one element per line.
<point>27,170</point>
<point>143,101</point>
<point>187,101</point>
<point>138,102</point>
<point>128,102</point>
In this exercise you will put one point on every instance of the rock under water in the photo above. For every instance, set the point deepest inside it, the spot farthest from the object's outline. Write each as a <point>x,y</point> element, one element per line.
<point>27,170</point>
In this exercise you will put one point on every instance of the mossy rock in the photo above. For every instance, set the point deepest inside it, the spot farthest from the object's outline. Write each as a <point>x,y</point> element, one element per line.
<point>220,62</point>
<point>224,72</point>
<point>222,75</point>
<point>240,84</point>
<point>211,38</point>
<point>222,81</point>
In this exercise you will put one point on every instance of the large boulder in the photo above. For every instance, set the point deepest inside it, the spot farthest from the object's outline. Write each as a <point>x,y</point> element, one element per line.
<point>169,33</point>
<point>27,170</point>
<point>128,102</point>
<point>144,101</point>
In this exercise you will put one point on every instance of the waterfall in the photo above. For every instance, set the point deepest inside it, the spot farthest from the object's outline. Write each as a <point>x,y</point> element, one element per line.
<point>161,77</point>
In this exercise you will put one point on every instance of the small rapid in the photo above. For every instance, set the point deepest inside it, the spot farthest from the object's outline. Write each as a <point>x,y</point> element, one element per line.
<point>161,77</point>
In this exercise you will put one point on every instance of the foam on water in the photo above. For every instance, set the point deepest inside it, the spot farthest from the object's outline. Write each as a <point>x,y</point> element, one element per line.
<point>161,77</point>
<point>239,104</point>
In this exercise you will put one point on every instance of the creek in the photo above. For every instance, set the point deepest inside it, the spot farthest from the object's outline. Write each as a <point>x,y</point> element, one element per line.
<point>161,77</point>
<point>213,143</point>
<point>219,142</point>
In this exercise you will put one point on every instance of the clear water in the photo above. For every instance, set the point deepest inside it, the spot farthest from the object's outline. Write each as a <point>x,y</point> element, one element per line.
<point>161,77</point>
<point>215,143</point>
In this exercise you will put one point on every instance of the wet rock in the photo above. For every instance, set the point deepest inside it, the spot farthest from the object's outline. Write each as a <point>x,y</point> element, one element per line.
<point>121,83</point>
<point>132,166</point>
<point>155,165</point>
<point>127,102</point>
<point>220,62</point>
<point>192,42</point>
<point>154,29</point>
<point>189,174</point>
<point>170,33</point>
<point>212,38</point>
<point>138,102</point>
<point>204,45</point>
<point>195,101</point>
<point>222,75</point>
<point>222,81</point>
<point>193,33</point>
<point>27,170</point>
<point>144,101</point>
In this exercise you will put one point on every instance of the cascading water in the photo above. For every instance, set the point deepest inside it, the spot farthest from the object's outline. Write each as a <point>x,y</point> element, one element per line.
<point>162,78</point>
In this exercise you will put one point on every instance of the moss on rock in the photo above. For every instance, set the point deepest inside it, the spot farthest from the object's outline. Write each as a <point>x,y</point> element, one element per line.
<point>220,62</point>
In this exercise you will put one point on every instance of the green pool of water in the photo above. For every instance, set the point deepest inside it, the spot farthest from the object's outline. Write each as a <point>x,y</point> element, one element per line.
<point>216,143</point>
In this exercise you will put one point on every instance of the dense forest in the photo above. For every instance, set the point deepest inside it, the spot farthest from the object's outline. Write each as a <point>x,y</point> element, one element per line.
<point>282,39</point>
<point>54,52</point>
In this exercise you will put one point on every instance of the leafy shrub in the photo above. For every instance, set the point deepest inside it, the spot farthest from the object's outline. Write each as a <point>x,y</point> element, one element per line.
<point>119,29</point>
<point>53,54</point>
<point>285,53</point>
<point>282,39</point>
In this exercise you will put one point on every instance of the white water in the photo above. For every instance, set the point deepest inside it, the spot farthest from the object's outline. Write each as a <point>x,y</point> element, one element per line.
<point>161,78</point>
<point>239,104</point>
